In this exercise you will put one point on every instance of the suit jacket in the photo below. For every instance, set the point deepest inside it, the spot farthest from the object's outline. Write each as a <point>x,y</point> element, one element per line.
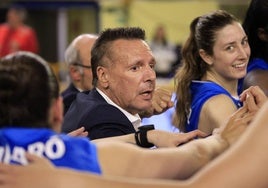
<point>98,117</point>
<point>69,95</point>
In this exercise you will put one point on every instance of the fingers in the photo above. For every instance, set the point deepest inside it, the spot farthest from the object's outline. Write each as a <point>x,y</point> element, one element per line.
<point>161,100</point>
<point>162,92</point>
<point>79,132</point>
<point>248,118</point>
<point>236,125</point>
<point>157,107</point>
<point>239,113</point>
<point>32,158</point>
<point>250,102</point>
<point>163,105</point>
<point>257,93</point>
<point>4,171</point>
<point>186,137</point>
<point>76,132</point>
<point>244,93</point>
<point>198,133</point>
<point>84,134</point>
<point>170,104</point>
<point>35,160</point>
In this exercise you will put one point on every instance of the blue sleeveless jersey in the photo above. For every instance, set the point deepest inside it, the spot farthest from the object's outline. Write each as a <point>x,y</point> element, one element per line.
<point>62,150</point>
<point>201,91</point>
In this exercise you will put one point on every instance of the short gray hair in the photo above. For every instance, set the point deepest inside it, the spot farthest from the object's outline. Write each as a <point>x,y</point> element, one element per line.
<point>72,56</point>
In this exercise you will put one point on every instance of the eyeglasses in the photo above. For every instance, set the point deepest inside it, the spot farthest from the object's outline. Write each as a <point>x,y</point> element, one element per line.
<point>81,65</point>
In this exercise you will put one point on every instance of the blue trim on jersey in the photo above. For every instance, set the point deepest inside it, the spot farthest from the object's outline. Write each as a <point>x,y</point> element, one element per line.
<point>62,150</point>
<point>202,91</point>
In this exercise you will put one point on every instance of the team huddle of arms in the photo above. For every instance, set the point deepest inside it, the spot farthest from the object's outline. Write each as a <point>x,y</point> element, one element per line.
<point>102,119</point>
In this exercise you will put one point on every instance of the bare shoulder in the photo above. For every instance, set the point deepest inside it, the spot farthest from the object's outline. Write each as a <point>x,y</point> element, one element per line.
<point>219,100</point>
<point>215,112</point>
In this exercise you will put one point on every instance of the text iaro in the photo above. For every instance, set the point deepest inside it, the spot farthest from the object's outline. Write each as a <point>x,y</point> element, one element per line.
<point>52,149</point>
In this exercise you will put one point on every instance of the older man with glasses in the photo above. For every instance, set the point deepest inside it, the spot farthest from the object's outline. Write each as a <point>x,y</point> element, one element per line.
<point>77,58</point>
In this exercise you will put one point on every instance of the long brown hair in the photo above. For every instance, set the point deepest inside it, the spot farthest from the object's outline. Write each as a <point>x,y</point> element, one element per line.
<point>203,32</point>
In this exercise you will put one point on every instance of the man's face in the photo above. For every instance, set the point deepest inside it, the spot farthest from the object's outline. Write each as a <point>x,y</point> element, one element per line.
<point>131,75</point>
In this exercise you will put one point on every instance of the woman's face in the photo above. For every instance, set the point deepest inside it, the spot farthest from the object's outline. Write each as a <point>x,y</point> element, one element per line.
<point>231,53</point>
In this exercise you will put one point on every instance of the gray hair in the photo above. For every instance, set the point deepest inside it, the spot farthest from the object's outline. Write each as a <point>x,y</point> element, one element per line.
<point>72,56</point>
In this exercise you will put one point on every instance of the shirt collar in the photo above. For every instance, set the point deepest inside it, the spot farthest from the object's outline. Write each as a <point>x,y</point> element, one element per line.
<point>134,119</point>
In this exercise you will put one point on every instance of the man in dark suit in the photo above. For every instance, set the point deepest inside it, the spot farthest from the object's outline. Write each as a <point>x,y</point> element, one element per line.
<point>124,83</point>
<point>77,58</point>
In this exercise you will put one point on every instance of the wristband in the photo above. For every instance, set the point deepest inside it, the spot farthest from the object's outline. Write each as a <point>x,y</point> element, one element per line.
<point>141,136</point>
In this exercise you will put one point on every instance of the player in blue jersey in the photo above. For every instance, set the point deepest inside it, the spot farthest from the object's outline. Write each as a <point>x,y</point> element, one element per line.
<point>214,58</point>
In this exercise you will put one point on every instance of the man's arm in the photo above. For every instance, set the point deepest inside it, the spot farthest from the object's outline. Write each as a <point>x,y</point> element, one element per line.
<point>160,103</point>
<point>107,130</point>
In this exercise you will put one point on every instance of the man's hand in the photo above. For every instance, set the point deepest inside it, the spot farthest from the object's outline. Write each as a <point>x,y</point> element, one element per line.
<point>79,132</point>
<point>160,103</point>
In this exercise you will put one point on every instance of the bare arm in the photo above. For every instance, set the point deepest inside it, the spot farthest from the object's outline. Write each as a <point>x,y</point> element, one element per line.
<point>158,137</point>
<point>246,163</point>
<point>176,163</point>
<point>203,151</point>
<point>215,113</point>
<point>31,176</point>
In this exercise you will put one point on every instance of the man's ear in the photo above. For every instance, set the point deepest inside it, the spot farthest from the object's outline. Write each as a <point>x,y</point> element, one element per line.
<point>262,34</point>
<point>207,58</point>
<point>56,114</point>
<point>74,73</point>
<point>103,76</point>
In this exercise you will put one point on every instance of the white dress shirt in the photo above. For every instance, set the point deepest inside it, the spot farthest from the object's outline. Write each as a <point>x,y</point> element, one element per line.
<point>134,119</point>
